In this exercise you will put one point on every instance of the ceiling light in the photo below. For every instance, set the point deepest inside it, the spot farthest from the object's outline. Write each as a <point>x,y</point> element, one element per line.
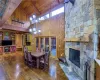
<point>30,18</point>
<point>30,30</point>
<point>34,29</point>
<point>39,31</point>
<point>39,18</point>
<point>35,32</point>
<point>42,18</point>
<point>36,21</point>
<point>34,16</point>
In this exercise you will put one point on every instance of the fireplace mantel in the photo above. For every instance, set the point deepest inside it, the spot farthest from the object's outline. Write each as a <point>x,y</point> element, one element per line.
<point>75,40</point>
<point>98,61</point>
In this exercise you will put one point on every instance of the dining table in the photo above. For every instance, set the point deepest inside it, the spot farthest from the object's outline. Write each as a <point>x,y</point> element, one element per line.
<point>37,55</point>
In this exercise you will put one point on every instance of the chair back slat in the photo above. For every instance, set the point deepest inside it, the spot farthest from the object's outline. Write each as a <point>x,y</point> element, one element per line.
<point>25,55</point>
<point>25,49</point>
<point>47,54</point>
<point>29,56</point>
<point>25,52</point>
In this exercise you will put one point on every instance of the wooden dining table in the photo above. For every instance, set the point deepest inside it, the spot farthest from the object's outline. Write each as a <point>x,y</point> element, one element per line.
<point>37,55</point>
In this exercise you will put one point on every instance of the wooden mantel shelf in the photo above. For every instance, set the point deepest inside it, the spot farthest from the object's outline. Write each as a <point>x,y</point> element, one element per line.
<point>98,61</point>
<point>86,40</point>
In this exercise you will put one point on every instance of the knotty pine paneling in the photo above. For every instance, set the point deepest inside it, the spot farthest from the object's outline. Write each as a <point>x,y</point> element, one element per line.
<point>20,15</point>
<point>97,72</point>
<point>18,41</point>
<point>54,27</point>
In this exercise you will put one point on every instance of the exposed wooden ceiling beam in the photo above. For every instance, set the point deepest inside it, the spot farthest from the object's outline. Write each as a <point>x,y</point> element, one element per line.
<point>35,9</point>
<point>12,5</point>
<point>23,10</point>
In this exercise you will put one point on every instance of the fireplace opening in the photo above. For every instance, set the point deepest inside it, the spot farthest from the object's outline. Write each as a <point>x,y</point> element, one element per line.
<point>74,56</point>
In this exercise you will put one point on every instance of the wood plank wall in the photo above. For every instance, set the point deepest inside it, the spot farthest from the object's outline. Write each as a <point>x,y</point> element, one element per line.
<point>21,16</point>
<point>97,72</point>
<point>54,27</point>
<point>18,41</point>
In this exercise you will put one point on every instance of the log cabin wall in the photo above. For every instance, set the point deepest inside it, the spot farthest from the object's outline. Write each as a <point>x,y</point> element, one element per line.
<point>97,72</point>
<point>18,41</point>
<point>97,11</point>
<point>53,27</point>
<point>20,15</point>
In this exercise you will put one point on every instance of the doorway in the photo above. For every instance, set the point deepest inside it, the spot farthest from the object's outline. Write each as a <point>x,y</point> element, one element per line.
<point>53,47</point>
<point>47,44</point>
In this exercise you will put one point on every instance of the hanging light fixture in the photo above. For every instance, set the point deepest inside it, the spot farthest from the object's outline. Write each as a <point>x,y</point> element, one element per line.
<point>34,29</point>
<point>39,31</point>
<point>35,32</point>
<point>30,30</point>
<point>34,16</point>
<point>30,18</point>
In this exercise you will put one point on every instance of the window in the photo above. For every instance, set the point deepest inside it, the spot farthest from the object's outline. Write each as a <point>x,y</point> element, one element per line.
<point>41,18</point>
<point>34,19</point>
<point>58,11</point>
<point>47,15</point>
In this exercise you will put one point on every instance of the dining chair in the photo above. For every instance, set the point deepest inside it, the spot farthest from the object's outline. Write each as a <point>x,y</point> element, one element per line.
<point>31,61</point>
<point>26,57</point>
<point>44,63</point>
<point>25,49</point>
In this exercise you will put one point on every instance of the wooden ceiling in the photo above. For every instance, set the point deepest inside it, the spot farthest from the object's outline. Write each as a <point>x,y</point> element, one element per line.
<point>11,6</point>
<point>29,7</point>
<point>38,7</point>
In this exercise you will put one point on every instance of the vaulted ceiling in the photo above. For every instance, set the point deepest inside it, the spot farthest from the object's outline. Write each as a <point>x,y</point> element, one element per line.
<point>11,8</point>
<point>7,7</point>
<point>38,7</point>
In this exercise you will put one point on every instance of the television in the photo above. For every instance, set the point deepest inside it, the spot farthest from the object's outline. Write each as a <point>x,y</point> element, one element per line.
<point>28,43</point>
<point>6,42</point>
<point>74,56</point>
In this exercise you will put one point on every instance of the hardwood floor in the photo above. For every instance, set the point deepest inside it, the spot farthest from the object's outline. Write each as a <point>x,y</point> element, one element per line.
<point>12,67</point>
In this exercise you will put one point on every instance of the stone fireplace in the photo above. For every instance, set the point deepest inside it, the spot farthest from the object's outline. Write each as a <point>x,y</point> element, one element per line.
<point>86,56</point>
<point>79,22</point>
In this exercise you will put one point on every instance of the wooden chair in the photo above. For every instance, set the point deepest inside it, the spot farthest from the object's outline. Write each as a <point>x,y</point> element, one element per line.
<point>26,55</point>
<point>31,61</point>
<point>44,63</point>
